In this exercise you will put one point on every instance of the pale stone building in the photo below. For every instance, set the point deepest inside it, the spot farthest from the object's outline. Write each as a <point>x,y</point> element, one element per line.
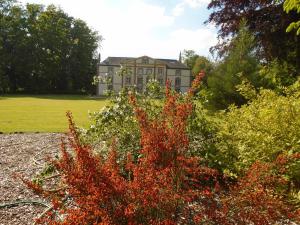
<point>138,71</point>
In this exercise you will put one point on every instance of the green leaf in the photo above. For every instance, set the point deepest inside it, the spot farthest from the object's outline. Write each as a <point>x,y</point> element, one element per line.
<point>290,27</point>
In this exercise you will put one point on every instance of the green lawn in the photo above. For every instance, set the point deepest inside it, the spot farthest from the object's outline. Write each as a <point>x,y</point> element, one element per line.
<point>45,113</point>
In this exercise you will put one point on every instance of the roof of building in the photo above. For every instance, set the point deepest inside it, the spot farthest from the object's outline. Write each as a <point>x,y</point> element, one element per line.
<point>117,61</point>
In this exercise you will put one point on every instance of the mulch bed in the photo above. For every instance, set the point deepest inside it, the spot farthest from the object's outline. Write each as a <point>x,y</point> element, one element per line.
<point>24,154</point>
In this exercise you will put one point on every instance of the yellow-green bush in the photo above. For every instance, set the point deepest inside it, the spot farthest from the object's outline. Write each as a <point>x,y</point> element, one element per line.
<point>262,129</point>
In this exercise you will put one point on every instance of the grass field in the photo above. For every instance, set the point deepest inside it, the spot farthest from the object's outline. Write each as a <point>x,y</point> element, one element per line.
<point>45,113</point>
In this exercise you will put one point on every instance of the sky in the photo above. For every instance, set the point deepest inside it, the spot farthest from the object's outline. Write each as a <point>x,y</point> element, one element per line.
<point>133,28</point>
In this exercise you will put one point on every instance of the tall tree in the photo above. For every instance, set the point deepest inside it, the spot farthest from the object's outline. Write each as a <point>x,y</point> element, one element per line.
<point>13,36</point>
<point>189,58</point>
<point>240,62</point>
<point>54,30</point>
<point>267,22</point>
<point>5,7</point>
<point>203,64</point>
<point>84,41</point>
<point>45,50</point>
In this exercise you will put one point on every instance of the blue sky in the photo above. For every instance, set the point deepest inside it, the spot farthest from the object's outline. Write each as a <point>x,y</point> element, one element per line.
<point>144,27</point>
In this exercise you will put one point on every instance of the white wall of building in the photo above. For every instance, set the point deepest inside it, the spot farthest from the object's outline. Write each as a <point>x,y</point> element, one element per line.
<point>117,82</point>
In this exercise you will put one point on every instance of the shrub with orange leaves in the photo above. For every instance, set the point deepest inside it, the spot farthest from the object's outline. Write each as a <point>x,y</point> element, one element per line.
<point>258,198</point>
<point>155,190</point>
<point>164,186</point>
<point>165,179</point>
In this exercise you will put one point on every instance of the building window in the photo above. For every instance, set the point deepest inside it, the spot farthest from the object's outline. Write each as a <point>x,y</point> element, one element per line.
<point>160,80</point>
<point>140,70</point>
<point>177,84</point>
<point>110,87</point>
<point>140,84</point>
<point>129,70</point>
<point>148,78</point>
<point>160,71</point>
<point>127,80</point>
<point>149,71</point>
<point>110,70</point>
<point>178,72</point>
<point>177,81</point>
<point>145,61</point>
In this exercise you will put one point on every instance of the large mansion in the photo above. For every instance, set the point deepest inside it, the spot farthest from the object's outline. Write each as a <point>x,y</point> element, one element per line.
<point>138,71</point>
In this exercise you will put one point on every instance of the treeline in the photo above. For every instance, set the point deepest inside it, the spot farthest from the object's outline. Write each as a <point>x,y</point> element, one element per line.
<point>44,50</point>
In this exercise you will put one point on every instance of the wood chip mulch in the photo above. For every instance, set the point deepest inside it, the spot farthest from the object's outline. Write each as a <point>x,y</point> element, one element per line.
<point>24,154</point>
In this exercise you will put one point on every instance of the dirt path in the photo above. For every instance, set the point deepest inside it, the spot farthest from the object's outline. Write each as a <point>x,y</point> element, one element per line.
<point>23,154</point>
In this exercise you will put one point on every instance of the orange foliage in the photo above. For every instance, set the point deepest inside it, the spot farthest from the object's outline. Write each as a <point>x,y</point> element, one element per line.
<point>255,200</point>
<point>162,187</point>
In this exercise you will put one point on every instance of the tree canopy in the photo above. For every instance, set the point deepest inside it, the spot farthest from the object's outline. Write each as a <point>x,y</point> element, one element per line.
<point>266,21</point>
<point>44,50</point>
<point>238,64</point>
<point>288,6</point>
<point>189,58</point>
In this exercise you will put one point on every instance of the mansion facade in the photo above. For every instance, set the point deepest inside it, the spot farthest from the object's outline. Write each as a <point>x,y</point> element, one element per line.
<point>116,73</point>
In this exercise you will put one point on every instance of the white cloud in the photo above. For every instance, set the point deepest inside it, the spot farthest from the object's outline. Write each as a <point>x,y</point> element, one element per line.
<point>194,39</point>
<point>101,13</point>
<point>199,40</point>
<point>130,28</point>
<point>179,9</point>
<point>196,3</point>
<point>130,31</point>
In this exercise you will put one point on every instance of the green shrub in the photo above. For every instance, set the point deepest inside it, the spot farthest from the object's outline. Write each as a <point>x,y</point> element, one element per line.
<point>116,122</point>
<point>276,75</point>
<point>261,130</point>
<point>154,89</point>
<point>202,129</point>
